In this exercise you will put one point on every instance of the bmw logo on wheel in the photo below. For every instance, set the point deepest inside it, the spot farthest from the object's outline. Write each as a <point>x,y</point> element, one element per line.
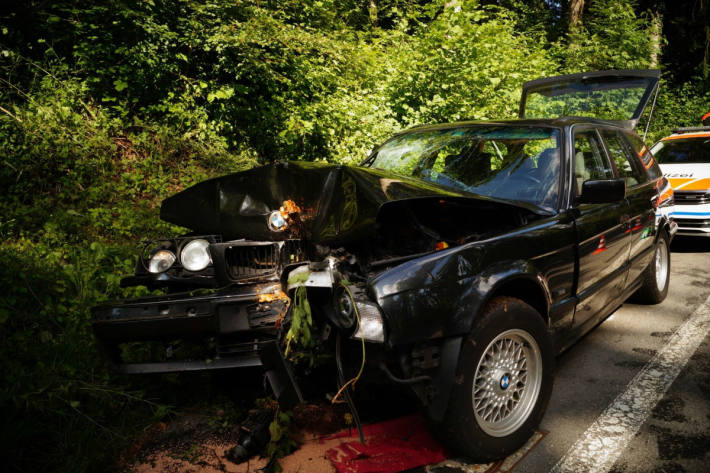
<point>504,381</point>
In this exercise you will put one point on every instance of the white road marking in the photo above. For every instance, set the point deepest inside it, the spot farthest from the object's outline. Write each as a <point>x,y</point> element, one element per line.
<point>603,442</point>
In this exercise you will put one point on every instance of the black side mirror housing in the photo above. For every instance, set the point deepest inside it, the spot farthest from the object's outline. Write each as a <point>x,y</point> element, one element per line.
<point>603,191</point>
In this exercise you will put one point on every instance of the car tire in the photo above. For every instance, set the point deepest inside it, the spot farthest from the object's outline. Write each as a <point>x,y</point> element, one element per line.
<point>656,277</point>
<point>491,416</point>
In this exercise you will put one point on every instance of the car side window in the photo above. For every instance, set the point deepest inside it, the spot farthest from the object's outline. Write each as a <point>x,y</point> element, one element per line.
<point>626,165</point>
<point>644,156</point>
<point>590,162</point>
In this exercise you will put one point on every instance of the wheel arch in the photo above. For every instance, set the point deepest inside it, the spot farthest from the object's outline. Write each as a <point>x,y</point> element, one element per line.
<point>529,286</point>
<point>518,279</point>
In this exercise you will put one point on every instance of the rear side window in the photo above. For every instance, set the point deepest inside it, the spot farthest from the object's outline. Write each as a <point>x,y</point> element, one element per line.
<point>590,161</point>
<point>627,164</point>
<point>644,155</point>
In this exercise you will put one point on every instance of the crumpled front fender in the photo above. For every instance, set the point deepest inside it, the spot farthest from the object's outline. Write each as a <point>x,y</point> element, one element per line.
<point>439,295</point>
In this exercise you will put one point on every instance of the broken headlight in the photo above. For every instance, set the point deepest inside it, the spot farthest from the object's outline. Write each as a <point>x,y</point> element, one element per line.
<point>161,261</point>
<point>195,256</point>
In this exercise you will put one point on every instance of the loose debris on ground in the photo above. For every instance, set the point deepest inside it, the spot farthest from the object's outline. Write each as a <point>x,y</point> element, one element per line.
<point>200,441</point>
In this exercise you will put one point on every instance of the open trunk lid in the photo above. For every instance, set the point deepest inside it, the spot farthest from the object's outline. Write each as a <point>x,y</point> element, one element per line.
<point>616,95</point>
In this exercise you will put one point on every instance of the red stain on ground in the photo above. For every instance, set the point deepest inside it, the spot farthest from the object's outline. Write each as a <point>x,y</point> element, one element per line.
<point>391,446</point>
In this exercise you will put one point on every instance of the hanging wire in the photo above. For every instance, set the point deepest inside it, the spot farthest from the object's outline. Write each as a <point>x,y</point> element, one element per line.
<point>341,377</point>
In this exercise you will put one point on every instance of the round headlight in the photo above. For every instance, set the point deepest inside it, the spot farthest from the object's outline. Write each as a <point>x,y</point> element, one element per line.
<point>277,222</point>
<point>195,256</point>
<point>161,261</point>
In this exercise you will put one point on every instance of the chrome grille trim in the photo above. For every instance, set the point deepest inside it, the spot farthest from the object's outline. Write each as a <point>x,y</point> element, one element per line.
<point>247,260</point>
<point>691,198</point>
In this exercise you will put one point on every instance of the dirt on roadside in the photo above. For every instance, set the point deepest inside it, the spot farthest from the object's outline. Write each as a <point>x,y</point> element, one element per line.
<point>197,443</point>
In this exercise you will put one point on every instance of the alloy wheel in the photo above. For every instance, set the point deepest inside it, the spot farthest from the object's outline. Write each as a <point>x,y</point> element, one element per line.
<point>507,382</point>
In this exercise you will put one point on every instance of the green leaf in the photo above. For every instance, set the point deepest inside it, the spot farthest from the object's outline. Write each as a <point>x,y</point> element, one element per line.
<point>120,85</point>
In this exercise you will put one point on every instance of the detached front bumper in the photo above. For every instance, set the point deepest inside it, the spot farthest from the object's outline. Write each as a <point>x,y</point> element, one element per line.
<point>235,328</point>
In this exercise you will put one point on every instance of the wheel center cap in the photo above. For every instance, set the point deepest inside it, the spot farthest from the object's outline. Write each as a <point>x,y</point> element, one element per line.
<point>504,381</point>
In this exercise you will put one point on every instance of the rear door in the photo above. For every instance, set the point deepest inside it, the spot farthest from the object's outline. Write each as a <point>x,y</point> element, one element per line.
<point>641,195</point>
<point>603,239</point>
<point>620,96</point>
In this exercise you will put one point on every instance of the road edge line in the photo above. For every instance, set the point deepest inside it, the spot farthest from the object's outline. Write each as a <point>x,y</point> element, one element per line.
<point>606,439</point>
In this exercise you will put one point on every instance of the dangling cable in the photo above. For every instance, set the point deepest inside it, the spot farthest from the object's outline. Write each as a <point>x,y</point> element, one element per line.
<point>354,380</point>
<point>344,390</point>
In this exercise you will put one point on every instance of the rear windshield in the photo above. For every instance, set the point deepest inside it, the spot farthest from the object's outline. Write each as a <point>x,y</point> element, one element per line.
<point>505,162</point>
<point>604,98</point>
<point>683,150</point>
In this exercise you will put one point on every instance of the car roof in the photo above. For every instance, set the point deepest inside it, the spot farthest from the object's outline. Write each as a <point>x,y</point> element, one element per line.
<point>689,132</point>
<point>560,122</point>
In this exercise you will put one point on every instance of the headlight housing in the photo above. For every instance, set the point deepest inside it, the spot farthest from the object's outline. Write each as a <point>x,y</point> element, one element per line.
<point>372,326</point>
<point>195,255</point>
<point>161,261</point>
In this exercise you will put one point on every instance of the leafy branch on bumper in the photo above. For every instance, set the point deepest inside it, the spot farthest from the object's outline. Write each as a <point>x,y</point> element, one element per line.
<point>301,318</point>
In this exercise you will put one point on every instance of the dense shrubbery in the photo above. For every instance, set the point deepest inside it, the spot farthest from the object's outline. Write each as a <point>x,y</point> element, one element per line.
<point>81,189</point>
<point>109,108</point>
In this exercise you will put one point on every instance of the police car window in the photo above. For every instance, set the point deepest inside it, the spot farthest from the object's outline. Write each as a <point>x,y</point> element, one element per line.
<point>627,169</point>
<point>590,161</point>
<point>683,150</point>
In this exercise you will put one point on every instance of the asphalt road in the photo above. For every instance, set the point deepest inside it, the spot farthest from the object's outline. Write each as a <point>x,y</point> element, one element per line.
<point>634,394</point>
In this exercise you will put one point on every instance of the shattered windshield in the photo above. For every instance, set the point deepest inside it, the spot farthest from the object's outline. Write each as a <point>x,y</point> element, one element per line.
<point>505,162</point>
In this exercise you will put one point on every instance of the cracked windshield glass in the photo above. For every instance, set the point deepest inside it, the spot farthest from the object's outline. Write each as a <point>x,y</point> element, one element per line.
<point>510,163</point>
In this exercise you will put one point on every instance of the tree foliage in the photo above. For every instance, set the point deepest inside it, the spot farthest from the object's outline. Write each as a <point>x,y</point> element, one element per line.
<point>611,37</point>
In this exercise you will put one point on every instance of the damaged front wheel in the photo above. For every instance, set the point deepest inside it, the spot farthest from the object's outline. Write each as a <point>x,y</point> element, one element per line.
<point>504,381</point>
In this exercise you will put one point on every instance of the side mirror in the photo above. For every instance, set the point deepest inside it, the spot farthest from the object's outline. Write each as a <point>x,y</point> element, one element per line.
<point>603,191</point>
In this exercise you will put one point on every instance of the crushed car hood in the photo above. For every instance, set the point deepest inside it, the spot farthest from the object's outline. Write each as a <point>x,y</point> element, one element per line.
<point>336,203</point>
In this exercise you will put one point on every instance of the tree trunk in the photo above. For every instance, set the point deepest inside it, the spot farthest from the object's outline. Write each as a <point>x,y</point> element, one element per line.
<point>655,39</point>
<point>576,7</point>
<point>373,12</point>
<point>706,56</point>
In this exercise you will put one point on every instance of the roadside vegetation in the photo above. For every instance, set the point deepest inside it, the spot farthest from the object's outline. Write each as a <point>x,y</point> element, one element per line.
<point>107,107</point>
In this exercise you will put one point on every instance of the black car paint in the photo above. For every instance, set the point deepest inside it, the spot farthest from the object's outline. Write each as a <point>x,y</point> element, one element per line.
<point>546,258</point>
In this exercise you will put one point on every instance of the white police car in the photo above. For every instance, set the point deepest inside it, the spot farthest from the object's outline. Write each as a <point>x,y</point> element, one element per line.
<point>684,158</point>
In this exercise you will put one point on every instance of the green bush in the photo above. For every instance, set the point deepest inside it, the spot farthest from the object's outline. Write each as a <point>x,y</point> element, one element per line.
<point>466,64</point>
<point>677,106</point>
<point>613,37</point>
<point>80,191</point>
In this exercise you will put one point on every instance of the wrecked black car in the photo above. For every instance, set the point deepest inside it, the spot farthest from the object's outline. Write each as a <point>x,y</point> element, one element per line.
<point>460,258</point>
